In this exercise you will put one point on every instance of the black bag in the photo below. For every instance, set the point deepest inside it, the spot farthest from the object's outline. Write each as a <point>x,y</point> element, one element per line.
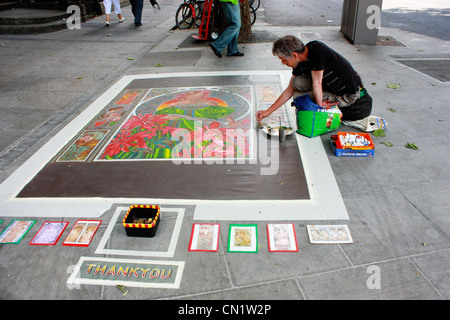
<point>360,109</point>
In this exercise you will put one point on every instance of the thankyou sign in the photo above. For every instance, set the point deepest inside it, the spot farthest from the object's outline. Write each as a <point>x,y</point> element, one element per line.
<point>127,272</point>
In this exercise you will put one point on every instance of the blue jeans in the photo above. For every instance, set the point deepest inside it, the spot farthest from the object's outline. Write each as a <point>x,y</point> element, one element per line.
<point>136,8</point>
<point>230,35</point>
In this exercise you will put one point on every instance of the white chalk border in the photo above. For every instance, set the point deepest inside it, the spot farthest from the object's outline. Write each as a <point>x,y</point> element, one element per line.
<point>74,279</point>
<point>325,201</point>
<point>101,248</point>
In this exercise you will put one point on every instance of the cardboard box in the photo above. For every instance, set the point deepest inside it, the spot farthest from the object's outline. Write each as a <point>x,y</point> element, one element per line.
<point>366,136</point>
<point>349,151</point>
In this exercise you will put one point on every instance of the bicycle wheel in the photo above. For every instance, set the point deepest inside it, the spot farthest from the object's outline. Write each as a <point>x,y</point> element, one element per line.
<point>252,15</point>
<point>199,6</point>
<point>255,4</point>
<point>184,17</point>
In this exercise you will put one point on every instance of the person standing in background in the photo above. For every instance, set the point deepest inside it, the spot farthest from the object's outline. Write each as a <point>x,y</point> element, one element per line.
<point>108,4</point>
<point>136,8</point>
<point>155,5</point>
<point>232,12</point>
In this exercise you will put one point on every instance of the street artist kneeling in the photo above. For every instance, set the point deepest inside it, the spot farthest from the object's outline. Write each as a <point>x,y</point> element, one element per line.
<point>322,73</point>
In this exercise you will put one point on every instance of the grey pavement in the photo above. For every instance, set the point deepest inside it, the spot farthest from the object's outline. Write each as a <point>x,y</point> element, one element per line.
<point>397,201</point>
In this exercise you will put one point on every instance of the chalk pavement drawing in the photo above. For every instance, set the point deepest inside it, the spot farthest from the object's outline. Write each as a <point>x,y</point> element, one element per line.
<point>16,230</point>
<point>49,233</point>
<point>282,237</point>
<point>174,122</point>
<point>243,238</point>
<point>90,138</point>
<point>204,237</point>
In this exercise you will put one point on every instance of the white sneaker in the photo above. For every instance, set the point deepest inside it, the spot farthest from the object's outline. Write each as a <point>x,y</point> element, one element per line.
<point>108,24</point>
<point>121,20</point>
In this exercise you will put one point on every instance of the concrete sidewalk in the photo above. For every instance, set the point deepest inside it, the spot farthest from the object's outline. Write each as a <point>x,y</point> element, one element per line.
<point>397,201</point>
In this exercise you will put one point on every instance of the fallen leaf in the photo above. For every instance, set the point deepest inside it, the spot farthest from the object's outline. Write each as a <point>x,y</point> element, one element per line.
<point>392,110</point>
<point>411,145</point>
<point>393,85</point>
<point>124,289</point>
<point>158,65</point>
<point>379,133</point>
<point>130,58</point>
<point>387,143</point>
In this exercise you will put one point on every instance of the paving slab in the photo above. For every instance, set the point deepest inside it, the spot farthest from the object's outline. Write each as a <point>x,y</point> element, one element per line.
<point>389,227</point>
<point>429,199</point>
<point>431,267</point>
<point>287,290</point>
<point>397,201</point>
<point>399,280</point>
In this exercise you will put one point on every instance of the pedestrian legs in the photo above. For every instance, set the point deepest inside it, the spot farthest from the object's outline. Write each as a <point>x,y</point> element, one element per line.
<point>136,9</point>
<point>229,36</point>
<point>155,5</point>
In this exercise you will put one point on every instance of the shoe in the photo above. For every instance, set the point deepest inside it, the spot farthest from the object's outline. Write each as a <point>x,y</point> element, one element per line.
<point>236,54</point>
<point>121,20</point>
<point>108,24</point>
<point>216,52</point>
<point>137,25</point>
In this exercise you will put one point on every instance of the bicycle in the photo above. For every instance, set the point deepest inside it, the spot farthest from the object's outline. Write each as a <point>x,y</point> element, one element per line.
<point>252,14</point>
<point>188,13</point>
<point>252,4</point>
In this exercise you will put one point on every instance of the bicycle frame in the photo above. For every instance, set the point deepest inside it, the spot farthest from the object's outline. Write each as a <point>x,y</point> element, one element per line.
<point>189,3</point>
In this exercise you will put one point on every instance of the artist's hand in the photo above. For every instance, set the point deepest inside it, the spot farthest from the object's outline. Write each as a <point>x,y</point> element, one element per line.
<point>261,115</point>
<point>328,104</point>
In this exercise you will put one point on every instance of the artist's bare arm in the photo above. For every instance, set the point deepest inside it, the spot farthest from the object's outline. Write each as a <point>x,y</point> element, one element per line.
<point>317,77</point>
<point>282,99</point>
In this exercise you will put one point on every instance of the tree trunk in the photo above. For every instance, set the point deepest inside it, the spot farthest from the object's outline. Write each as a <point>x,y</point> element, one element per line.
<point>246,26</point>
